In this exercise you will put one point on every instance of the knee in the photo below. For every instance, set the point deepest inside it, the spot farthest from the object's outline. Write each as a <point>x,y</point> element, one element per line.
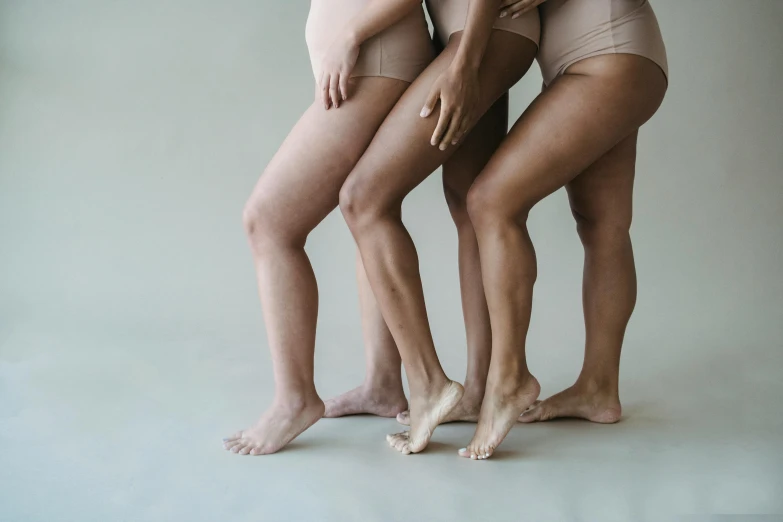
<point>265,227</point>
<point>487,208</point>
<point>355,202</point>
<point>602,231</point>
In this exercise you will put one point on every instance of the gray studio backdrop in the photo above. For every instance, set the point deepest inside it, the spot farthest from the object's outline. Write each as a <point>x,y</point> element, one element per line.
<point>131,134</point>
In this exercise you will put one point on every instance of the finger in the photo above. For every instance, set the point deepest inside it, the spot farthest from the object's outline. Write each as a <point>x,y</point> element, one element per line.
<point>519,6</point>
<point>344,86</point>
<point>511,7</point>
<point>443,124</point>
<point>334,86</point>
<point>454,124</point>
<point>325,91</point>
<point>528,6</point>
<point>431,101</point>
<point>462,131</point>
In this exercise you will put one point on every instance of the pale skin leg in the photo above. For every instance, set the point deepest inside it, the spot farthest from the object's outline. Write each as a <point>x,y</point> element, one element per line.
<point>298,189</point>
<point>399,158</point>
<point>381,393</point>
<point>582,116</point>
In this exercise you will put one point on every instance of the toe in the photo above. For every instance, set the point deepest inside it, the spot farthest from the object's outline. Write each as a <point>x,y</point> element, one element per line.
<point>238,447</point>
<point>231,444</point>
<point>245,450</point>
<point>404,418</point>
<point>256,450</point>
<point>463,452</point>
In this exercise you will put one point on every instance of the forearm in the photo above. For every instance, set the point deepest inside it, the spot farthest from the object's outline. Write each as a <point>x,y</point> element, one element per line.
<point>377,16</point>
<point>478,27</point>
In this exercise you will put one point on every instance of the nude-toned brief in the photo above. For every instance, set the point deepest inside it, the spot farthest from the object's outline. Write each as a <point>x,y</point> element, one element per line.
<point>401,51</point>
<point>449,16</point>
<point>573,30</point>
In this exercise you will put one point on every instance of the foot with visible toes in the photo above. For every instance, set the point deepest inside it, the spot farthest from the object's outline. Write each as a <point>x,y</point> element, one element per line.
<point>500,410</point>
<point>372,399</point>
<point>278,426</point>
<point>427,411</point>
<point>583,401</point>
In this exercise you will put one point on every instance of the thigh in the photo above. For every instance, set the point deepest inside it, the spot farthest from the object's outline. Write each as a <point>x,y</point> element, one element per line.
<point>574,122</point>
<point>603,193</point>
<point>400,155</point>
<point>464,166</point>
<point>301,184</point>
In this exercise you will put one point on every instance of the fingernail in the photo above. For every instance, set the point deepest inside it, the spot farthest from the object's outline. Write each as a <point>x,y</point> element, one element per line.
<point>423,113</point>
<point>433,143</point>
<point>453,142</point>
<point>503,14</point>
<point>442,146</point>
<point>515,15</point>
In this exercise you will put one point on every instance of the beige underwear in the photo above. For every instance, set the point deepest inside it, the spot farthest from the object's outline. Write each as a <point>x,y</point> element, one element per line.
<point>401,51</point>
<point>449,16</point>
<point>572,30</point>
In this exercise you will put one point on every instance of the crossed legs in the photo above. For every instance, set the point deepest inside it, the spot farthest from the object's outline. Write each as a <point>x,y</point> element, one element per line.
<point>398,159</point>
<point>381,393</point>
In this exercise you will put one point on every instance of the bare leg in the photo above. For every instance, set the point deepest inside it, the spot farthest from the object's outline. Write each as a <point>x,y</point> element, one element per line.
<point>299,187</point>
<point>459,172</point>
<point>399,158</point>
<point>381,392</point>
<point>583,115</point>
<point>601,202</point>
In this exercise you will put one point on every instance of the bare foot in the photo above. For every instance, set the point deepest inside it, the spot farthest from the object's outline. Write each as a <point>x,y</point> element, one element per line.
<point>499,412</point>
<point>278,426</point>
<point>426,413</point>
<point>582,402</point>
<point>383,402</point>
<point>467,410</point>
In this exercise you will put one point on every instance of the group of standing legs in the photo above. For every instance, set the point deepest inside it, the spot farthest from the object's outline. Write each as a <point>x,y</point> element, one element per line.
<point>370,153</point>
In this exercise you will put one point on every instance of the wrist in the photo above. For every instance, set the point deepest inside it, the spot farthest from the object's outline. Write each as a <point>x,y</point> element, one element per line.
<point>466,63</point>
<point>352,38</point>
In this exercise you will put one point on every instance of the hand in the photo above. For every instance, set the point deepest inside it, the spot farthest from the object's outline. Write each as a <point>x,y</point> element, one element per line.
<point>517,8</point>
<point>457,88</point>
<point>336,68</point>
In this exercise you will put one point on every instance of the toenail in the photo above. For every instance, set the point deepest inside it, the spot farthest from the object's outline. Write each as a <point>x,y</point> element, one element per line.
<point>463,450</point>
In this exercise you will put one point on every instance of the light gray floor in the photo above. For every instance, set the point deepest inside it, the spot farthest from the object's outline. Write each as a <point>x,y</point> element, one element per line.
<point>92,429</point>
<point>131,340</point>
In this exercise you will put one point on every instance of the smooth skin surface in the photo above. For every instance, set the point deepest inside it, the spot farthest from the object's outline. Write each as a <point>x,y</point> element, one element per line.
<point>382,393</point>
<point>298,189</point>
<point>399,158</point>
<point>579,133</point>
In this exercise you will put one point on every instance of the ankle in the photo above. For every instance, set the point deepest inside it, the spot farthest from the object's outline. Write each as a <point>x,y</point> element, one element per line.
<point>382,383</point>
<point>597,385</point>
<point>296,401</point>
<point>474,391</point>
<point>425,387</point>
